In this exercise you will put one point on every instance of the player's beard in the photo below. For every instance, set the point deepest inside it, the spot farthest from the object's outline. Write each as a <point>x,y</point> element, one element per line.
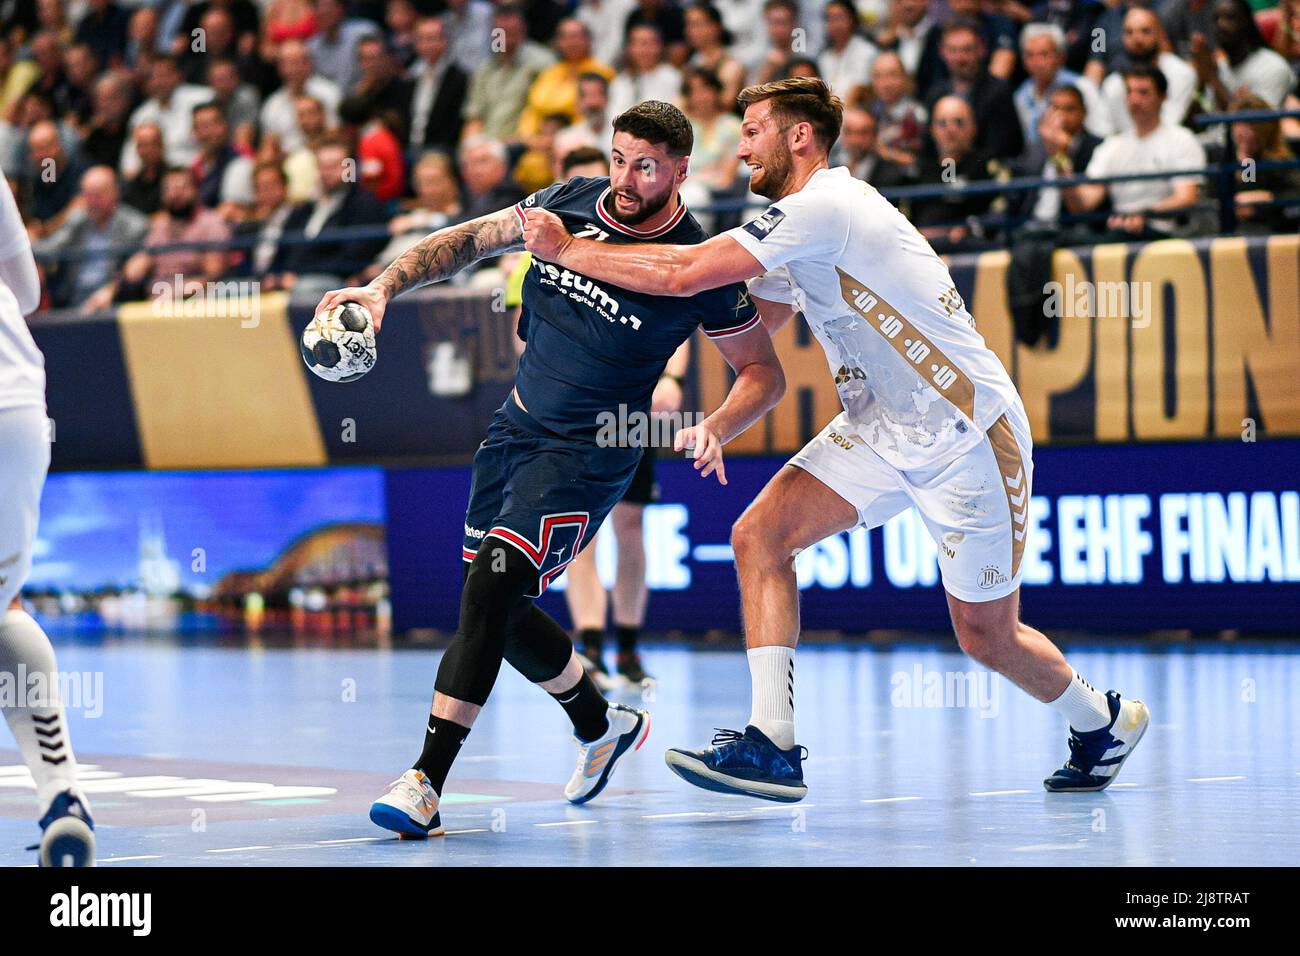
<point>777,170</point>
<point>649,206</point>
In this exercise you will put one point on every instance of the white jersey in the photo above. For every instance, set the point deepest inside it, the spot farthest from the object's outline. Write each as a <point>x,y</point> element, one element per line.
<point>914,376</point>
<point>22,367</point>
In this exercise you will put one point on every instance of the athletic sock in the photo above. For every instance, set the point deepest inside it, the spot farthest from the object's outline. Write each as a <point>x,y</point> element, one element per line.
<point>593,643</point>
<point>1083,705</point>
<point>36,714</point>
<point>586,707</point>
<point>627,638</point>
<point>442,742</point>
<point>771,674</point>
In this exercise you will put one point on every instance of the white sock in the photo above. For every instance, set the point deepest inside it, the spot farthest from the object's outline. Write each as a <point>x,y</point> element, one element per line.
<point>771,674</point>
<point>1083,705</point>
<point>25,651</point>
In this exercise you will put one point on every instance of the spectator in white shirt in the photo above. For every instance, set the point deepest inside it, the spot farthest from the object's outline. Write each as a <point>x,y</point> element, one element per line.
<point>279,115</point>
<point>604,20</point>
<point>170,105</point>
<point>845,63</point>
<point>1245,63</point>
<point>1143,208</point>
<point>647,76</point>
<point>1144,41</point>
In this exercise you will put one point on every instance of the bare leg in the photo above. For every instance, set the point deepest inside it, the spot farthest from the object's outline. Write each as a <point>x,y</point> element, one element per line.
<point>992,633</point>
<point>629,585</point>
<point>794,511</point>
<point>584,594</point>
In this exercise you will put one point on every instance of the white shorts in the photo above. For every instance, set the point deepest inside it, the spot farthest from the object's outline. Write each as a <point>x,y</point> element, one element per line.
<point>975,506</point>
<point>24,459</point>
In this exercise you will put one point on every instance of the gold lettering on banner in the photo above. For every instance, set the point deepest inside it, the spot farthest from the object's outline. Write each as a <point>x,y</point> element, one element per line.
<point>1265,348</point>
<point>1173,263</point>
<point>1041,372</point>
<point>992,311</point>
<point>1111,352</point>
<point>923,355</point>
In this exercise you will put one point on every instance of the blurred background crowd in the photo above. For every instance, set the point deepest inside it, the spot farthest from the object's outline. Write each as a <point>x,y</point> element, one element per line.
<point>271,139</point>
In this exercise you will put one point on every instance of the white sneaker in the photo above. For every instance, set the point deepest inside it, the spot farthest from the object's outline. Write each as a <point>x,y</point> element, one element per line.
<point>628,729</point>
<point>409,807</point>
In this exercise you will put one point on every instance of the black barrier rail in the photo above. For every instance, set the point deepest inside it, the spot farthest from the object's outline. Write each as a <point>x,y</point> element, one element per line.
<point>1224,172</point>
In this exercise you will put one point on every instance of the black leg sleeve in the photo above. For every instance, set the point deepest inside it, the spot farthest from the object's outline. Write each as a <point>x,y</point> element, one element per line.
<point>495,582</point>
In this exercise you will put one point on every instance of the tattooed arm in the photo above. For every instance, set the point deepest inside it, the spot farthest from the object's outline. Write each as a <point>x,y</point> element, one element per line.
<point>437,256</point>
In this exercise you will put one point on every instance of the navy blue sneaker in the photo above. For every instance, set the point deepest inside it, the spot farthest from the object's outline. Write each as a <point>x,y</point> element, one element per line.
<point>68,837</point>
<point>1097,755</point>
<point>747,764</point>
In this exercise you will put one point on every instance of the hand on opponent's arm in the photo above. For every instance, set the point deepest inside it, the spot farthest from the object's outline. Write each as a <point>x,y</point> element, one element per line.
<point>435,257</point>
<point>641,266</point>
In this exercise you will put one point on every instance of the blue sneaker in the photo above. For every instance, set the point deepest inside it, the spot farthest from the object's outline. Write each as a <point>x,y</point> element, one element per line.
<point>1097,755</point>
<point>68,833</point>
<point>747,764</point>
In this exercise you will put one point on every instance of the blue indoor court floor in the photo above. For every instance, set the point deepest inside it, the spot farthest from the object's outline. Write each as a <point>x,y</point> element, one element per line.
<point>213,756</point>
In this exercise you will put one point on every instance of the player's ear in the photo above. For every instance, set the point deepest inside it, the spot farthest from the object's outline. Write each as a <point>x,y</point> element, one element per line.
<point>683,169</point>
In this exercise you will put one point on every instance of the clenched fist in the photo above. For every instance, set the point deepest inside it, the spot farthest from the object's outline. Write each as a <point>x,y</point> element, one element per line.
<point>545,235</point>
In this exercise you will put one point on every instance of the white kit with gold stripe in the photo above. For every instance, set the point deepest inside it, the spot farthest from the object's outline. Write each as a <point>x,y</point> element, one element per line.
<point>931,417</point>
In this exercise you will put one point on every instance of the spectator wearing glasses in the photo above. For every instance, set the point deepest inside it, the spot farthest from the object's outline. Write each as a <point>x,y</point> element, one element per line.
<point>990,98</point>
<point>950,220</point>
<point>1042,47</point>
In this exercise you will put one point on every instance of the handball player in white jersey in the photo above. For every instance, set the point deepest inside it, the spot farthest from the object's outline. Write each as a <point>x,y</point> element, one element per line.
<point>33,711</point>
<point>930,419</point>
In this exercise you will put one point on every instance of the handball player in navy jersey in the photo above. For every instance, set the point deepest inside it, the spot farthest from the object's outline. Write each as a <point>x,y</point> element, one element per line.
<point>546,475</point>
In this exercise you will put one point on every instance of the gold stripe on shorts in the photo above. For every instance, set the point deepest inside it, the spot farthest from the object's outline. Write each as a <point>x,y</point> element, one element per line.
<point>1014,482</point>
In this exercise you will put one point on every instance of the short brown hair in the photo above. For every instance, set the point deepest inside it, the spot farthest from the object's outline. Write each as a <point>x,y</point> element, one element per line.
<point>801,99</point>
<point>657,122</point>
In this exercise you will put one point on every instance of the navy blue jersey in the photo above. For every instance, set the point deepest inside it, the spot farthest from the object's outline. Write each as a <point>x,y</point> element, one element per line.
<point>593,346</point>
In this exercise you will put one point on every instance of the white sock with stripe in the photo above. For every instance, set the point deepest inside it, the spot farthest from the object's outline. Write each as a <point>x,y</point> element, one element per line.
<point>771,674</point>
<point>36,717</point>
<point>1083,705</point>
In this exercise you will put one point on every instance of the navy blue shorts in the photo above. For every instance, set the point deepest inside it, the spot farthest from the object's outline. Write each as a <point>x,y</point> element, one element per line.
<point>545,494</point>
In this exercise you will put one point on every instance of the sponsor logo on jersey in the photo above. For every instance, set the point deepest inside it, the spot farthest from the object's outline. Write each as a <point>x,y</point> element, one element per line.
<point>579,288</point>
<point>991,577</point>
<point>762,227</point>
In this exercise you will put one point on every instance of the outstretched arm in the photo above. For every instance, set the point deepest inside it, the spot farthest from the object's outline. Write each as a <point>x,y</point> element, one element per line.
<point>435,257</point>
<point>759,385</point>
<point>642,267</point>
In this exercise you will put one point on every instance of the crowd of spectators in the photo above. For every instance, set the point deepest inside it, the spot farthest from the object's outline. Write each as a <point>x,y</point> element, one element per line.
<point>129,126</point>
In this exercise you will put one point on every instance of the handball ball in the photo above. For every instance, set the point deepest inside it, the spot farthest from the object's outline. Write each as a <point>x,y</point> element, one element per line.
<point>339,343</point>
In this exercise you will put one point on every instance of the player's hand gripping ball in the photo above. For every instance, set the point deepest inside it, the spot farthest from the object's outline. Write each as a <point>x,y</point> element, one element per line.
<point>339,343</point>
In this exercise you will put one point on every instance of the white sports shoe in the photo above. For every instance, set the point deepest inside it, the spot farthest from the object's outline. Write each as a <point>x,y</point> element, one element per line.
<point>628,729</point>
<point>409,807</point>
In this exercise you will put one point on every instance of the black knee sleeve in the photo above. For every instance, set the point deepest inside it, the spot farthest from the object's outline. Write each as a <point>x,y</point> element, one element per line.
<point>495,582</point>
<point>536,645</point>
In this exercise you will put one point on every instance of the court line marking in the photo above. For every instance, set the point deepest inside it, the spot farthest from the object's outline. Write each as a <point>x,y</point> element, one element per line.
<point>475,830</point>
<point>1040,847</point>
<point>237,849</point>
<point>569,823</point>
<point>669,816</point>
<point>892,799</point>
<point>997,793</point>
<point>1214,779</point>
<point>127,859</point>
<point>353,840</point>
